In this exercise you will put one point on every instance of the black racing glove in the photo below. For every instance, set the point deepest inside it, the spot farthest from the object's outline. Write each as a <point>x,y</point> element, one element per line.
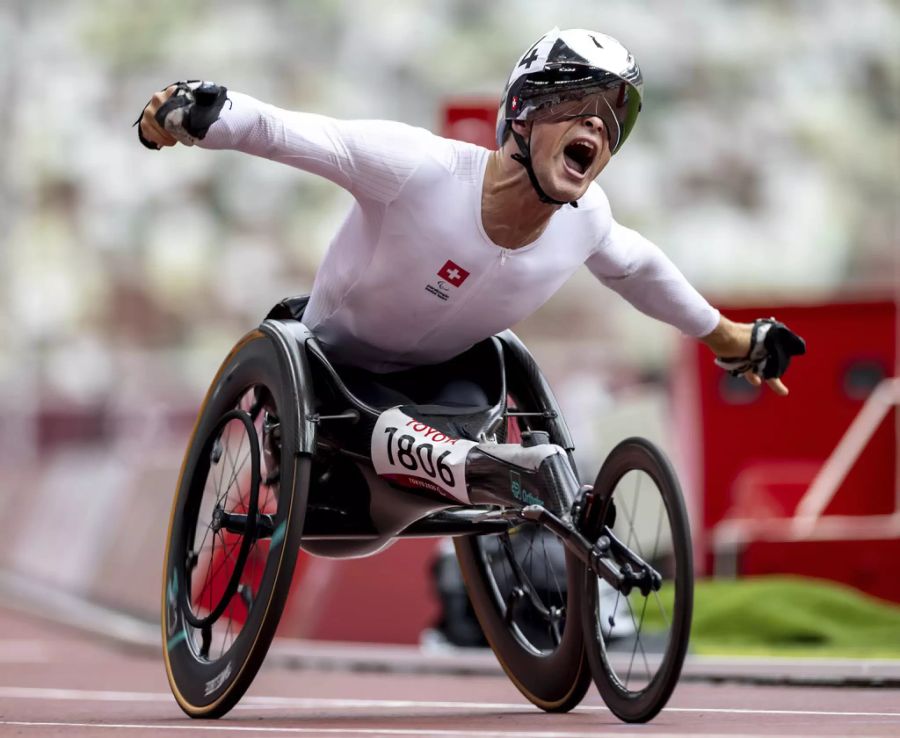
<point>189,112</point>
<point>772,344</point>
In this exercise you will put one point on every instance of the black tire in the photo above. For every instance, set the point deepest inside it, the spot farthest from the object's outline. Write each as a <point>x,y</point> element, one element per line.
<point>636,644</point>
<point>548,665</point>
<point>226,578</point>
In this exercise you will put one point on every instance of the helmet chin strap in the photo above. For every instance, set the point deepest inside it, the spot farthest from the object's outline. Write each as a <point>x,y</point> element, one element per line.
<point>524,158</point>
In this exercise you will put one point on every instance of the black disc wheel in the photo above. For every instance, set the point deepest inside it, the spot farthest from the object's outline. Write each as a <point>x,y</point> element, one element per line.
<point>525,589</point>
<point>234,532</point>
<point>636,641</point>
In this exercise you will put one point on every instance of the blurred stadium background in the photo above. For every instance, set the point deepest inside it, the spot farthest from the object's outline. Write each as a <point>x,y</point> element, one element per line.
<point>766,163</point>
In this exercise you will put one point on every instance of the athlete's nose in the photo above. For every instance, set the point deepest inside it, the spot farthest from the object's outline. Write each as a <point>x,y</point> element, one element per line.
<point>593,121</point>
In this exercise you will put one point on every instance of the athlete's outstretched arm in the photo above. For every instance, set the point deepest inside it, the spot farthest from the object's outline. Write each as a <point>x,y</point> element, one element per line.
<point>639,271</point>
<point>371,159</point>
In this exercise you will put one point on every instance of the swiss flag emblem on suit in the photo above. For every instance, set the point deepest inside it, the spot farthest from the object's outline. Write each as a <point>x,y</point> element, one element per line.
<point>453,273</point>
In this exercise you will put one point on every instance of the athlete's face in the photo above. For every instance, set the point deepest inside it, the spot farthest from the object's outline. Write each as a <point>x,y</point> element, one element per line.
<point>568,155</point>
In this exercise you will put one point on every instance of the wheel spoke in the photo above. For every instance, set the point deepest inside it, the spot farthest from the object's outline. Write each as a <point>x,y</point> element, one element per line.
<point>207,586</point>
<point>236,471</point>
<point>659,519</point>
<point>222,489</point>
<point>556,611</point>
<point>637,641</point>
<point>615,610</point>
<point>632,533</point>
<point>548,562</point>
<point>213,573</point>
<point>662,610</point>
<point>205,536</point>
<point>224,440</point>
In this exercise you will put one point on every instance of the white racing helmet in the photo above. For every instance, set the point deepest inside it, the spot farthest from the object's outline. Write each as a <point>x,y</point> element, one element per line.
<point>574,73</point>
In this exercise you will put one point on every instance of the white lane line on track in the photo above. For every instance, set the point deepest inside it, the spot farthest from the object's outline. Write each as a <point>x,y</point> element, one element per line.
<point>379,731</point>
<point>264,702</point>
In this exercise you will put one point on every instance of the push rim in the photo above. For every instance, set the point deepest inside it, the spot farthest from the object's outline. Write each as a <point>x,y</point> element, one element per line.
<point>529,592</point>
<point>228,526</point>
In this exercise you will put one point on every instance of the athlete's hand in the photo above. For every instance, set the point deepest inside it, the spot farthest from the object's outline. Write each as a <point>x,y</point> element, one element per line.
<point>777,386</point>
<point>759,351</point>
<point>148,129</point>
<point>740,346</point>
<point>182,112</point>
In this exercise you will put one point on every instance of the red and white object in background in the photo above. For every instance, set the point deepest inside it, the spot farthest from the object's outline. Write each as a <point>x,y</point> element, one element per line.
<point>754,458</point>
<point>472,120</point>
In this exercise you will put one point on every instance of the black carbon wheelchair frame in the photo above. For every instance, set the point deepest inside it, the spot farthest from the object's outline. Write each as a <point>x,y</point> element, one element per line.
<point>309,439</point>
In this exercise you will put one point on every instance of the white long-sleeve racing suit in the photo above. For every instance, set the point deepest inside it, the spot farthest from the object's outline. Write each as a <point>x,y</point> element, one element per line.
<point>411,277</point>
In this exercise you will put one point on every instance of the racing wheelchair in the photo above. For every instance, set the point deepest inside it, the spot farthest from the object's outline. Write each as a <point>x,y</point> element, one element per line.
<point>292,452</point>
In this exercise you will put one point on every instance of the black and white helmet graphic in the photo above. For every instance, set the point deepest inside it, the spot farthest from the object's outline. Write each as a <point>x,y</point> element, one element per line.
<point>565,68</point>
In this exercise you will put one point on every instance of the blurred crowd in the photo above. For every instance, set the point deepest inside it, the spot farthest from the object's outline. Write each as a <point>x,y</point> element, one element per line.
<point>765,163</point>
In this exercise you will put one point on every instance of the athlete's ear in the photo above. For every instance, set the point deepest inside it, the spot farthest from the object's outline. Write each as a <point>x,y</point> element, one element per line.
<point>522,127</point>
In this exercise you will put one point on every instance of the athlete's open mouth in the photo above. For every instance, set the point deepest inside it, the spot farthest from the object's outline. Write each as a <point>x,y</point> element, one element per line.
<point>579,155</point>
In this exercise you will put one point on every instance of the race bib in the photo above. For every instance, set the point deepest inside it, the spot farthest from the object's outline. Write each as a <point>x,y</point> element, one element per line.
<point>413,454</point>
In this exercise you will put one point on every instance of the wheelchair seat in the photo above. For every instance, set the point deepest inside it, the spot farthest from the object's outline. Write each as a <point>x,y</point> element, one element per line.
<point>464,396</point>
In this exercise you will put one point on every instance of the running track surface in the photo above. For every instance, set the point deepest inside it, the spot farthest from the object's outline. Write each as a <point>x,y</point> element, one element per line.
<point>54,682</point>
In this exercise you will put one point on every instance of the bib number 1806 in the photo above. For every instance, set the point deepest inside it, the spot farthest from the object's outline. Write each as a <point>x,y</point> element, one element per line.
<point>414,457</point>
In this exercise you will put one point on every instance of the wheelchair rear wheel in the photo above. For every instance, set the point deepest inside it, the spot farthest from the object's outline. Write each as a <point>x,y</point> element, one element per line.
<point>234,532</point>
<point>526,591</point>
<point>636,643</point>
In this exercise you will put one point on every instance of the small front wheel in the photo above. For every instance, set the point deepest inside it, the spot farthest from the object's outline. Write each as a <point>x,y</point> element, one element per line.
<point>636,643</point>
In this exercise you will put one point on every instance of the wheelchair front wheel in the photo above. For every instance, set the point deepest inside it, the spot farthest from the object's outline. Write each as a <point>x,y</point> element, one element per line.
<point>234,532</point>
<point>636,644</point>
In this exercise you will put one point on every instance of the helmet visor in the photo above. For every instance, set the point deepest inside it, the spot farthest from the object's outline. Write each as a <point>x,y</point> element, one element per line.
<point>617,107</point>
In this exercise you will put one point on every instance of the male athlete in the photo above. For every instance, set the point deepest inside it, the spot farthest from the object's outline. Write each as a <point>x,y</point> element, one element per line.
<point>448,243</point>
